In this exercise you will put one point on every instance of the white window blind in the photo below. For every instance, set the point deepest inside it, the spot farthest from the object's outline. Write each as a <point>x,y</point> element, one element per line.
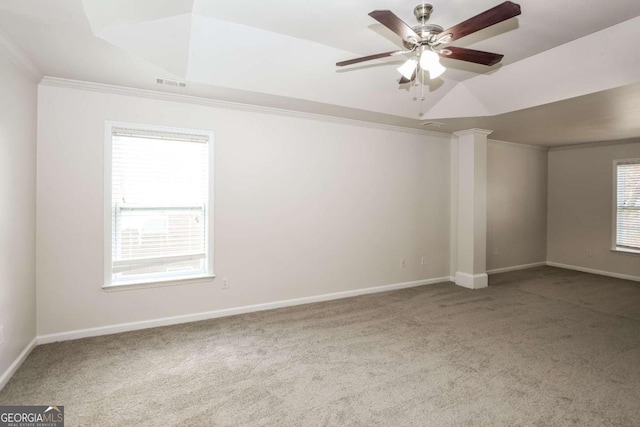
<point>159,204</point>
<point>628,205</point>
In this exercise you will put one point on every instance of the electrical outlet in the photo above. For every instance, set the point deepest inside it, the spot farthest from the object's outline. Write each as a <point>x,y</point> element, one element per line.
<point>403,263</point>
<point>495,251</point>
<point>423,261</point>
<point>1,334</point>
<point>225,283</point>
<point>589,253</point>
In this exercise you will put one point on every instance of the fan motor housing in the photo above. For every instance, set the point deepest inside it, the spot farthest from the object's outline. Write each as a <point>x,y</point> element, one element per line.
<point>426,33</point>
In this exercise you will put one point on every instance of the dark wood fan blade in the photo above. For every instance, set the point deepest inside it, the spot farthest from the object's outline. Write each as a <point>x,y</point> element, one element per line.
<point>490,17</point>
<point>367,58</point>
<point>395,24</point>
<point>471,55</point>
<point>404,80</point>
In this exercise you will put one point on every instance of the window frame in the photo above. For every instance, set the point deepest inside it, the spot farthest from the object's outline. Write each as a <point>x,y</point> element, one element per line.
<point>614,219</point>
<point>169,280</point>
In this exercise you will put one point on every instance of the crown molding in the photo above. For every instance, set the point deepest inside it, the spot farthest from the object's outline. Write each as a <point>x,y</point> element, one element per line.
<point>518,145</point>
<point>229,105</point>
<point>595,144</point>
<point>18,56</point>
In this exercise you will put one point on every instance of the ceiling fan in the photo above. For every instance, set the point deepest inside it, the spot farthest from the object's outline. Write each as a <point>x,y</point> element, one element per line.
<point>425,40</point>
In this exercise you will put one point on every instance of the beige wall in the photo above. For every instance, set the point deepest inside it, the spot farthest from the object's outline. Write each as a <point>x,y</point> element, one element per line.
<point>581,208</point>
<point>303,207</point>
<point>516,205</point>
<point>17,214</point>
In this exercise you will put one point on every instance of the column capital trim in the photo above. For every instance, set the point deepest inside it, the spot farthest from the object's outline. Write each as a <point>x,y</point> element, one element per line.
<point>474,131</point>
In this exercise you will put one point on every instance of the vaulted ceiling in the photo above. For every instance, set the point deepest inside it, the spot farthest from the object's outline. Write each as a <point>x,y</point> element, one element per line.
<point>571,71</point>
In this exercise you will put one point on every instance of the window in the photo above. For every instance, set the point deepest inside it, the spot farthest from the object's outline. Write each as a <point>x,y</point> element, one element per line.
<point>158,209</point>
<point>627,205</point>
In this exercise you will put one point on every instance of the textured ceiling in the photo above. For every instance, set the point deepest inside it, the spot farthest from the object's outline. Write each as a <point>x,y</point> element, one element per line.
<point>560,55</point>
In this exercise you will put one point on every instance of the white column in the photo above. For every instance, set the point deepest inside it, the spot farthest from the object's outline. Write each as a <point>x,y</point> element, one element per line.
<point>471,217</point>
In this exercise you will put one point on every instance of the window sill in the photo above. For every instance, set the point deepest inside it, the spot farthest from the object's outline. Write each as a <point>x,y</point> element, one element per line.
<point>626,251</point>
<point>143,284</point>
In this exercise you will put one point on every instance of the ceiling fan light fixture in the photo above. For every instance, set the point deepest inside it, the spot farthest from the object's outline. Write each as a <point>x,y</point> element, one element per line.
<point>430,61</point>
<point>436,70</point>
<point>408,68</point>
<point>428,58</point>
<point>422,41</point>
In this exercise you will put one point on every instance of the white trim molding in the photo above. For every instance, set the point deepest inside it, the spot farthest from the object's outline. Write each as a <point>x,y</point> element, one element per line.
<point>229,105</point>
<point>145,324</point>
<point>594,271</point>
<point>516,267</point>
<point>6,375</point>
<point>473,131</point>
<point>597,144</point>
<point>519,145</point>
<point>471,281</point>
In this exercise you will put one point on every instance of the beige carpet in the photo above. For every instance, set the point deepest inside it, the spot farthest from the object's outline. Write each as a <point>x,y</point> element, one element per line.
<point>544,347</point>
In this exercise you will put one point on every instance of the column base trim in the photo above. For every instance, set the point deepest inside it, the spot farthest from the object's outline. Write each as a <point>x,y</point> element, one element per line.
<point>472,281</point>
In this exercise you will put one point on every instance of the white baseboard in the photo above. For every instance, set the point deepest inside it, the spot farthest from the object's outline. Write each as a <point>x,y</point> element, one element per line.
<point>145,324</point>
<point>6,376</point>
<point>516,267</point>
<point>593,271</point>
<point>471,281</point>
